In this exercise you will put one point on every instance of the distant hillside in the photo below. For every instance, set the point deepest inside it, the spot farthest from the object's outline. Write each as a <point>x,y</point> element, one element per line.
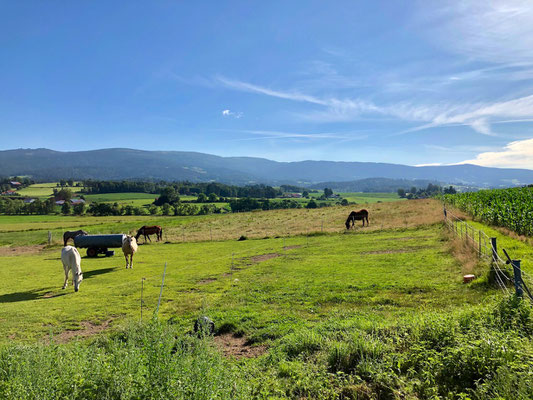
<point>44,164</point>
<point>374,185</point>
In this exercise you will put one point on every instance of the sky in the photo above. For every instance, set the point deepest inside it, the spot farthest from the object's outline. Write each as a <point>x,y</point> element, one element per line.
<point>411,82</point>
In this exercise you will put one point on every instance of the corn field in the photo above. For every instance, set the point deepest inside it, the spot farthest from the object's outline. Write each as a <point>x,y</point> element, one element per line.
<point>511,208</point>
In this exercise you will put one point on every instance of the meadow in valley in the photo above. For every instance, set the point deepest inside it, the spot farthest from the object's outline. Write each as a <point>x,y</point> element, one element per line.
<point>302,309</point>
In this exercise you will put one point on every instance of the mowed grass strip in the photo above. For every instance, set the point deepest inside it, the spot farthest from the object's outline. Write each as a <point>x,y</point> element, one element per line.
<point>256,287</point>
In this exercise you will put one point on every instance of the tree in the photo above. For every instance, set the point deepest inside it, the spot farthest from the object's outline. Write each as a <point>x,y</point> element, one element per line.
<point>401,193</point>
<point>311,204</point>
<point>327,192</point>
<point>202,198</point>
<point>70,182</point>
<point>65,208</point>
<point>79,209</point>
<point>344,202</point>
<point>213,198</point>
<point>168,195</point>
<point>166,209</point>
<point>63,194</point>
<point>305,194</point>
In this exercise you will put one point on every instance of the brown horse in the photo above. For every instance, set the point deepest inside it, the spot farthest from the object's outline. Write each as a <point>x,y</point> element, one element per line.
<point>357,216</point>
<point>146,231</point>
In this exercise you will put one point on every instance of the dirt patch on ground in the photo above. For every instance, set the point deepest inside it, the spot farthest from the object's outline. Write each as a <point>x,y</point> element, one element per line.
<point>263,257</point>
<point>87,329</point>
<point>386,251</point>
<point>293,247</point>
<point>234,346</point>
<point>406,238</point>
<point>206,281</point>
<point>397,251</point>
<point>20,250</point>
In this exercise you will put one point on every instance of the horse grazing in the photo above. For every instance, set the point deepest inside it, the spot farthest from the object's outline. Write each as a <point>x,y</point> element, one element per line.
<point>146,231</point>
<point>129,247</point>
<point>357,216</point>
<point>70,257</point>
<point>71,235</point>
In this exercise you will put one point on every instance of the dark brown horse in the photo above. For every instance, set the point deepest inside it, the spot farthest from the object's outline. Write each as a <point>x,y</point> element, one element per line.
<point>360,215</point>
<point>71,235</point>
<point>146,231</point>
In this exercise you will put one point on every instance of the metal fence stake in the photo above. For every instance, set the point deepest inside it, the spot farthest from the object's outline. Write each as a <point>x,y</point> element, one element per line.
<point>161,291</point>
<point>517,272</point>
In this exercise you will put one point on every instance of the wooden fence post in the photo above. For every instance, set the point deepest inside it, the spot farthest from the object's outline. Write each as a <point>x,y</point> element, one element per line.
<point>49,238</point>
<point>517,272</point>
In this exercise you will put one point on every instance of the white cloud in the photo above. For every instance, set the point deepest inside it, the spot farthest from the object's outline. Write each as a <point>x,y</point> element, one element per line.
<point>229,113</point>
<point>497,31</point>
<point>262,135</point>
<point>479,116</point>
<point>518,154</point>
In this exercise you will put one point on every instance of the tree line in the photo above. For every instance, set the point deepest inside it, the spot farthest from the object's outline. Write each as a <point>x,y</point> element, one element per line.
<point>423,193</point>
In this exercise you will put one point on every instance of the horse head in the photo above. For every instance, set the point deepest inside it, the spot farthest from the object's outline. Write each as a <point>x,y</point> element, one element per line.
<point>348,223</point>
<point>78,277</point>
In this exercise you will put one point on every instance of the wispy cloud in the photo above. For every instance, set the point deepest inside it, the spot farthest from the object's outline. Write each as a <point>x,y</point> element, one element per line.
<point>499,31</point>
<point>266,134</point>
<point>479,116</point>
<point>229,113</point>
<point>517,154</point>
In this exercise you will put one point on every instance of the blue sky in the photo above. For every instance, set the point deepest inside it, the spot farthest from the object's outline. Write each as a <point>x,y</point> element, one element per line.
<point>413,82</point>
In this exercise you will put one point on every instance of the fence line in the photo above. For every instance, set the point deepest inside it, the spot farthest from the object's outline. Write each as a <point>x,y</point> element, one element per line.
<point>486,249</point>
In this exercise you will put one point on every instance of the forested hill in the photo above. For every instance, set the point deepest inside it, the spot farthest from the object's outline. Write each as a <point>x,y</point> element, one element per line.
<point>111,164</point>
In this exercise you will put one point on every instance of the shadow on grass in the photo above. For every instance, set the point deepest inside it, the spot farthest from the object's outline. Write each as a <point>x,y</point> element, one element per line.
<point>36,294</point>
<point>96,272</point>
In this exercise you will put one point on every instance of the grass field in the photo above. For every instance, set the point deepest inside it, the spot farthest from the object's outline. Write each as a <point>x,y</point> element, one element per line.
<point>41,190</point>
<point>31,229</point>
<point>351,273</point>
<point>379,312</point>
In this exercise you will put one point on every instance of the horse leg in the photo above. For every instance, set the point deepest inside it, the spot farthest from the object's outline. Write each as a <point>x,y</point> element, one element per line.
<point>149,238</point>
<point>131,260</point>
<point>126,257</point>
<point>66,268</point>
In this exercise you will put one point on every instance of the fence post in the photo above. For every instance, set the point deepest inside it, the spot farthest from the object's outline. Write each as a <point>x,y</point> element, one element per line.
<point>479,243</point>
<point>461,230</point>
<point>142,302</point>
<point>494,249</point>
<point>49,238</point>
<point>161,291</point>
<point>517,272</point>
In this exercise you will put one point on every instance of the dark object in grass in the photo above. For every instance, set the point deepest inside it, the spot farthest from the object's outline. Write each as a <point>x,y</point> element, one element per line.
<point>110,253</point>
<point>242,238</point>
<point>204,325</point>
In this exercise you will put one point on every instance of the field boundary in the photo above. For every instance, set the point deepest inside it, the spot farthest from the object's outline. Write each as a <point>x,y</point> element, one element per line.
<point>487,250</point>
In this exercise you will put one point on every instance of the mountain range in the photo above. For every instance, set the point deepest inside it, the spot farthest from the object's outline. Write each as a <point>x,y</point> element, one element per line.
<point>118,164</point>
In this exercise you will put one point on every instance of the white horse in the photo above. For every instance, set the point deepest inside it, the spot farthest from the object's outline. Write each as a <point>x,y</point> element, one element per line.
<point>129,247</point>
<point>70,257</point>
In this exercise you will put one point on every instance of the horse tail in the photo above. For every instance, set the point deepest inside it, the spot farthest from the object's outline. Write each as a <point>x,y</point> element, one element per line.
<point>161,233</point>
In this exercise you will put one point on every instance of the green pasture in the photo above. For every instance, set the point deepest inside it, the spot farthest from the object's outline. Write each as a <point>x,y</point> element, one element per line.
<point>122,198</point>
<point>259,287</point>
<point>41,190</point>
<point>376,312</point>
<point>369,198</point>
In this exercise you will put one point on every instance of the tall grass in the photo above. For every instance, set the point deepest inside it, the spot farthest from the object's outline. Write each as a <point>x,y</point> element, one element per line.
<point>141,362</point>
<point>478,354</point>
